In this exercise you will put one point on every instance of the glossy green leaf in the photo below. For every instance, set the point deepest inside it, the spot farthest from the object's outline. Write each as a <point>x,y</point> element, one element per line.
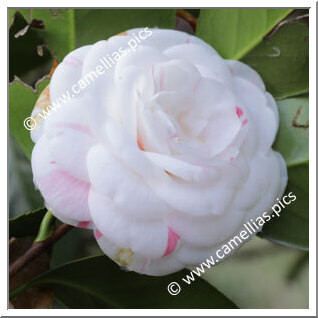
<point>292,226</point>
<point>292,140</point>
<point>96,24</point>
<point>98,282</point>
<point>282,60</point>
<point>21,102</point>
<point>26,224</point>
<point>234,32</point>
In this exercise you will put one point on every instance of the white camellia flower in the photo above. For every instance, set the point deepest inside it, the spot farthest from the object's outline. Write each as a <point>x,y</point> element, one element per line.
<point>165,156</point>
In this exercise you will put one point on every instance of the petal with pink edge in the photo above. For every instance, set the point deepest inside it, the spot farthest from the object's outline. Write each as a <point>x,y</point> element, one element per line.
<point>65,195</point>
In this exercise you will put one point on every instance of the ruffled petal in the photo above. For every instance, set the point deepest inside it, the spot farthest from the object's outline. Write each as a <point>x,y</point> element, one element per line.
<point>128,232</point>
<point>239,69</point>
<point>209,64</point>
<point>112,178</point>
<point>67,73</point>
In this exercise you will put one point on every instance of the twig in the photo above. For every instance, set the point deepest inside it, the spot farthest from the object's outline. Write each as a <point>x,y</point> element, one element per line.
<point>37,249</point>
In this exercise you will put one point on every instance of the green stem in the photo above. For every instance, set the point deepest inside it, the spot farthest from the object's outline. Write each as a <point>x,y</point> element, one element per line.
<point>46,228</point>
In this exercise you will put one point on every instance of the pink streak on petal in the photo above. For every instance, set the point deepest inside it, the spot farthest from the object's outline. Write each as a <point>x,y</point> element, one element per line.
<point>70,63</point>
<point>66,192</point>
<point>98,234</point>
<point>196,86</point>
<point>239,111</point>
<point>173,238</point>
<point>83,224</point>
<point>144,264</point>
<point>78,127</point>
<point>62,178</point>
<point>188,41</point>
<point>74,58</point>
<point>52,162</point>
<point>73,61</point>
<point>244,122</point>
<point>231,158</point>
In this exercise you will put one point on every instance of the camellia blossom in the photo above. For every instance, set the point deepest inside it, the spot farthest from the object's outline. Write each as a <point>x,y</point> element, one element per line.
<point>165,156</point>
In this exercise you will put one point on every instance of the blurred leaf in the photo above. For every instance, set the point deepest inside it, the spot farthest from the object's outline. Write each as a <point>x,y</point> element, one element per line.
<point>21,103</point>
<point>292,140</point>
<point>292,227</point>
<point>34,297</point>
<point>234,32</point>
<point>282,60</point>
<point>95,24</point>
<point>22,193</point>
<point>97,282</point>
<point>76,244</point>
<point>254,277</point>
<point>298,266</point>
<point>194,12</point>
<point>26,224</point>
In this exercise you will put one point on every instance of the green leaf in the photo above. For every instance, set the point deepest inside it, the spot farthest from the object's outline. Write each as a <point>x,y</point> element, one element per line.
<point>292,140</point>
<point>46,227</point>
<point>21,102</point>
<point>95,24</point>
<point>292,226</point>
<point>282,60</point>
<point>25,12</point>
<point>22,194</point>
<point>26,224</point>
<point>25,44</point>
<point>234,32</point>
<point>58,32</point>
<point>97,282</point>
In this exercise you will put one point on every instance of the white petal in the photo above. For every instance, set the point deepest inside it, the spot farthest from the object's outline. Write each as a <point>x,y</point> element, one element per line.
<point>111,177</point>
<point>65,195</point>
<point>147,238</point>
<point>199,55</point>
<point>68,72</point>
<point>239,69</point>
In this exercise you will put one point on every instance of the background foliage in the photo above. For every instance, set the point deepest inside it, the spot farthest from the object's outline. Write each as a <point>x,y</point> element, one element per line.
<point>272,41</point>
